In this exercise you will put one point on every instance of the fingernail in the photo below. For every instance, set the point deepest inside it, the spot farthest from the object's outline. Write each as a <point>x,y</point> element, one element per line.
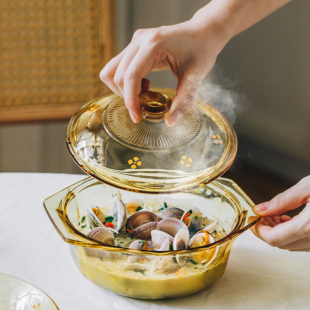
<point>133,116</point>
<point>173,118</point>
<point>261,207</point>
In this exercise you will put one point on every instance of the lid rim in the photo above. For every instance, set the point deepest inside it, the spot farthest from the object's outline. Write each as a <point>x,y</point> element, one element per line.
<point>131,182</point>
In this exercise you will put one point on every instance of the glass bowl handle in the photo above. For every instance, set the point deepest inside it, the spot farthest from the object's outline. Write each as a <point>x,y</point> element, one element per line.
<point>58,215</point>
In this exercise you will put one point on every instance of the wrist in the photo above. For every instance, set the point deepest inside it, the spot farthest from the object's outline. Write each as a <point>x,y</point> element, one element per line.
<point>215,19</point>
<point>210,33</point>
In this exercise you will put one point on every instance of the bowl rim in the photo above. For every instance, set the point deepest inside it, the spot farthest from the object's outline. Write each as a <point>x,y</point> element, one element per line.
<point>89,242</point>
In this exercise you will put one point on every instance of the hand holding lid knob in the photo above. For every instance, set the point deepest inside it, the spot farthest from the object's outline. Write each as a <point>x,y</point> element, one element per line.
<point>154,106</point>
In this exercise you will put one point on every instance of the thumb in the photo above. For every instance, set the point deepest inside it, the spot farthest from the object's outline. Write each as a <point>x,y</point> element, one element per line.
<point>286,201</point>
<point>185,99</point>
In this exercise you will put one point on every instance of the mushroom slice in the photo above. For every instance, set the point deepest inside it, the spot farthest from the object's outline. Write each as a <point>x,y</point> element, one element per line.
<point>160,263</point>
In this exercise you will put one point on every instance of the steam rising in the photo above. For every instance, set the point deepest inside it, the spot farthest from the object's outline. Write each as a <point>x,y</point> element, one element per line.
<point>218,91</point>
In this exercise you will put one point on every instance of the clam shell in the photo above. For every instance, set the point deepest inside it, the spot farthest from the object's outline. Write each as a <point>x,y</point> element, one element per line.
<point>141,224</point>
<point>190,243</point>
<point>103,235</point>
<point>171,226</point>
<point>93,219</point>
<point>204,257</point>
<point>137,244</point>
<point>210,228</point>
<point>195,224</point>
<point>180,243</point>
<point>141,218</point>
<point>195,211</point>
<point>119,211</point>
<point>143,231</point>
<point>159,237</point>
<point>172,212</point>
<point>180,240</point>
<point>165,245</point>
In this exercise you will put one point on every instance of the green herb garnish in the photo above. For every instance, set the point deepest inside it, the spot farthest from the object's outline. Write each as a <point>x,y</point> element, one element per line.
<point>141,271</point>
<point>90,227</point>
<point>174,260</point>
<point>109,219</point>
<point>170,247</point>
<point>83,219</point>
<point>165,205</point>
<point>83,226</point>
<point>141,241</point>
<point>193,262</point>
<point>101,259</point>
<point>196,218</point>
<point>190,211</point>
<point>161,209</point>
<point>215,231</point>
<point>139,208</point>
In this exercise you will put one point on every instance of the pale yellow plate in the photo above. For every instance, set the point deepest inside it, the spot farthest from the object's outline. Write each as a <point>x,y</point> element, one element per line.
<point>16,294</point>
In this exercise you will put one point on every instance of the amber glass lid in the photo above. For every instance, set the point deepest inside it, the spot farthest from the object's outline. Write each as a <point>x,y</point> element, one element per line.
<point>150,156</point>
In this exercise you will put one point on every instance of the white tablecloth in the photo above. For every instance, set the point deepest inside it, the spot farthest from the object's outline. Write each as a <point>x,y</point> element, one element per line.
<point>257,276</point>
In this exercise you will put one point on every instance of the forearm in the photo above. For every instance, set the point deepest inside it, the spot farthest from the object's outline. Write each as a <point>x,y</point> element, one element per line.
<point>234,16</point>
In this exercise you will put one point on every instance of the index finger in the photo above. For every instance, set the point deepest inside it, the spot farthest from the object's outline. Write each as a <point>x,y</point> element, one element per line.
<point>290,199</point>
<point>139,67</point>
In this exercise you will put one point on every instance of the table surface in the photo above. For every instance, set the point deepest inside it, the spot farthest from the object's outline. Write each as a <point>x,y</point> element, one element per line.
<point>257,276</point>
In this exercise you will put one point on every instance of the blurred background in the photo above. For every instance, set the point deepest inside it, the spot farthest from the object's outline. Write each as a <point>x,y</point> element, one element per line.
<point>51,54</point>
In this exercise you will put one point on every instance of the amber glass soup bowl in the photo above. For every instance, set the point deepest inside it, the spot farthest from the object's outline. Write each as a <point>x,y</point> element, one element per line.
<point>118,269</point>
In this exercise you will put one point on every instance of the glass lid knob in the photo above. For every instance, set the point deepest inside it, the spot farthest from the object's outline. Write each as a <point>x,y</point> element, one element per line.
<point>151,133</point>
<point>154,106</point>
